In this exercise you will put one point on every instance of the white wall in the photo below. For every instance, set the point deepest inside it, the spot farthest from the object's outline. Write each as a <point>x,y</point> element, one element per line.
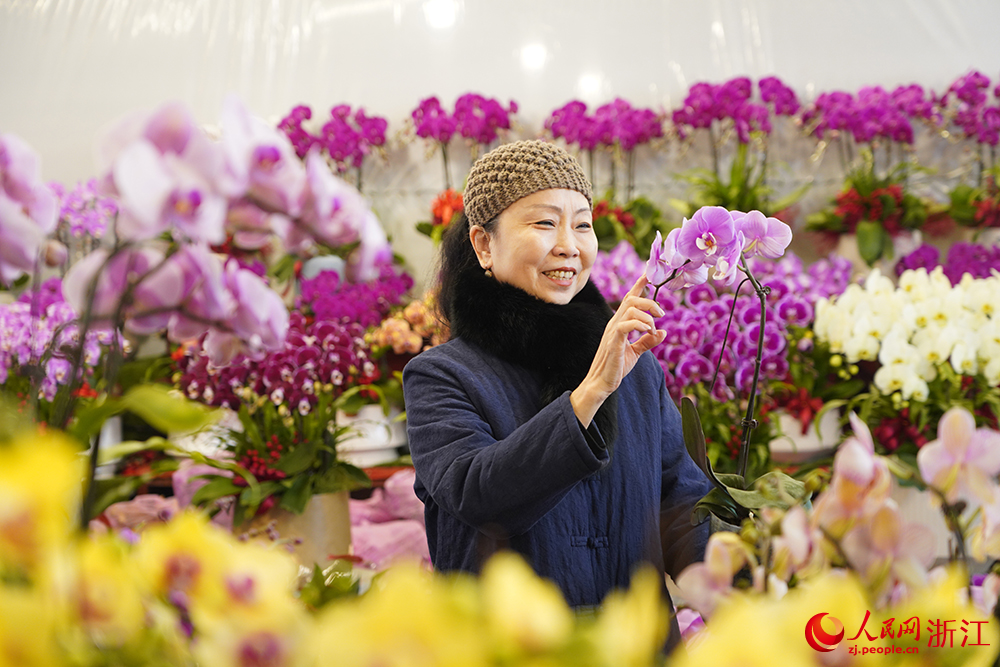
<point>71,66</point>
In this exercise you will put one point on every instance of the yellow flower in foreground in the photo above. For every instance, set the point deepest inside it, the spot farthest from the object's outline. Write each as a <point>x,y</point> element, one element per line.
<point>277,635</point>
<point>410,618</point>
<point>525,613</point>
<point>754,631</point>
<point>184,559</point>
<point>632,625</point>
<point>951,631</point>
<point>254,578</point>
<point>100,594</point>
<point>26,629</point>
<point>36,517</point>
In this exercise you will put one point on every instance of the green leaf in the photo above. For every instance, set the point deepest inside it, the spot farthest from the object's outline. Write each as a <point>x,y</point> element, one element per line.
<point>108,454</point>
<point>425,228</point>
<point>167,410</point>
<point>218,487</point>
<point>89,418</point>
<point>694,438</point>
<point>297,460</point>
<point>872,239</point>
<point>298,495</point>
<point>791,197</point>
<point>731,480</point>
<point>341,477</point>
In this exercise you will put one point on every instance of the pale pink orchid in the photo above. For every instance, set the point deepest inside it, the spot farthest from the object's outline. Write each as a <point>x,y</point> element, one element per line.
<point>259,324</point>
<point>860,484</point>
<point>251,227</point>
<point>888,551</point>
<point>984,541</point>
<point>29,210</point>
<point>764,236</point>
<point>207,300</point>
<point>964,461</point>
<point>172,131</point>
<point>796,547</point>
<point>110,277</point>
<point>706,584</point>
<point>161,192</point>
<point>260,161</point>
<point>704,237</point>
<point>373,250</point>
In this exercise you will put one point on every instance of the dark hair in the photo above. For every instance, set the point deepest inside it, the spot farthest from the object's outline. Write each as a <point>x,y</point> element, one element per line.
<point>456,258</point>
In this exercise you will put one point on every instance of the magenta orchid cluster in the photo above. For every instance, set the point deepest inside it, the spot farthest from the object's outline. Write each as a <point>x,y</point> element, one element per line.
<point>329,297</point>
<point>347,137</point>
<point>966,104</point>
<point>29,210</point>
<point>976,260</point>
<point>707,103</point>
<point>477,118</point>
<point>616,123</point>
<point>83,211</point>
<point>37,329</point>
<point>317,356</point>
<point>874,113</point>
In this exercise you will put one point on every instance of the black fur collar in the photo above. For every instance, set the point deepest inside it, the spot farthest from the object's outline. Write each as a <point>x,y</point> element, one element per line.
<point>557,342</point>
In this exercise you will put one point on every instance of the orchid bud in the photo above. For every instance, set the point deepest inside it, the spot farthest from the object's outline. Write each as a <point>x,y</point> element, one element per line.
<point>55,253</point>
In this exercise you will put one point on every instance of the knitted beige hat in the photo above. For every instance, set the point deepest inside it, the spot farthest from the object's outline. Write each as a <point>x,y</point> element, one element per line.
<point>512,171</point>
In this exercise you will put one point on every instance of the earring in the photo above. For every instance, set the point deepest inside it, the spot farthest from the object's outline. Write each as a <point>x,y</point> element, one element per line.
<point>489,274</point>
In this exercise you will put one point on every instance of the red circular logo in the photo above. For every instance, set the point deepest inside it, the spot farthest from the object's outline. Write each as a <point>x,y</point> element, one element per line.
<point>820,639</point>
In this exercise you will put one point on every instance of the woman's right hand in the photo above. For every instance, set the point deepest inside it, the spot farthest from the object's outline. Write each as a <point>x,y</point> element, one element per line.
<point>616,356</point>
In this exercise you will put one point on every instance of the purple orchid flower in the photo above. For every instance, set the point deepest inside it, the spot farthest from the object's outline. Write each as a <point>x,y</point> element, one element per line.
<point>705,235</point>
<point>764,236</point>
<point>658,267</point>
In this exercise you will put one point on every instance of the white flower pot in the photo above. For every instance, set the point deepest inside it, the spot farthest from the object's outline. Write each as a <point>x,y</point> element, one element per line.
<point>793,446</point>
<point>322,530</point>
<point>373,437</point>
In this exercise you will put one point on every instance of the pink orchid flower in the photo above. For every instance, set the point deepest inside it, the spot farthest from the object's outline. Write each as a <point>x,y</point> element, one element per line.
<point>260,161</point>
<point>658,267</point>
<point>963,461</point>
<point>887,551</point>
<point>767,237</point>
<point>707,583</point>
<point>29,210</point>
<point>860,484</point>
<point>160,192</point>
<point>704,237</point>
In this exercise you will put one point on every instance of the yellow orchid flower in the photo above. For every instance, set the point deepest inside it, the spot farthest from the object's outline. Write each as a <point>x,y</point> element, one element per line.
<point>36,519</point>
<point>27,629</point>
<point>410,618</point>
<point>184,560</point>
<point>632,625</point>
<point>100,594</point>
<point>525,613</point>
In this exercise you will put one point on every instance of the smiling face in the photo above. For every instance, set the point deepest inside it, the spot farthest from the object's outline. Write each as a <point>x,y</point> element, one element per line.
<point>543,243</point>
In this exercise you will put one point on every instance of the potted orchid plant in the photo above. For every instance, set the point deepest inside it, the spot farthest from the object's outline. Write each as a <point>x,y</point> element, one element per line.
<point>719,241</point>
<point>177,193</point>
<point>731,110</point>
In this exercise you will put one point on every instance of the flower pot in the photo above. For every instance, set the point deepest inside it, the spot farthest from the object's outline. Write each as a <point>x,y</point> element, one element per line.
<point>902,244</point>
<point>794,446</point>
<point>321,531</point>
<point>373,439</point>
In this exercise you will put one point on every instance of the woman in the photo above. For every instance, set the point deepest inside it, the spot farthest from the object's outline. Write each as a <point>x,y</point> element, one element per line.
<point>539,427</point>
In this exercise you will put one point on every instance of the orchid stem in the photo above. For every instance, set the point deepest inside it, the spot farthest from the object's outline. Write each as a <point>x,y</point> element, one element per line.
<point>749,423</point>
